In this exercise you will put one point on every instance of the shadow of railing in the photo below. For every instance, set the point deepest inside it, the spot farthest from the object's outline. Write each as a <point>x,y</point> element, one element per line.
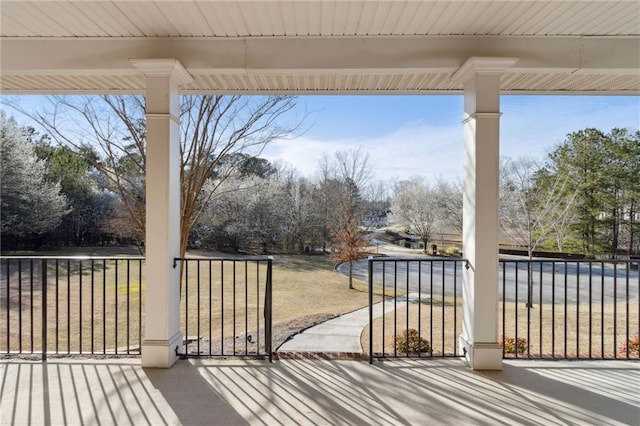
<point>240,392</point>
<point>422,392</point>
<point>80,392</point>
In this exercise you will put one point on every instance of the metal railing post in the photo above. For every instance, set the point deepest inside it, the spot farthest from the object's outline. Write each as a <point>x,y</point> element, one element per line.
<point>44,309</point>
<point>267,309</point>
<point>370,278</point>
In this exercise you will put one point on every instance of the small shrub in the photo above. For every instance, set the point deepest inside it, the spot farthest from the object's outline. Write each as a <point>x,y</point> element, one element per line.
<point>634,347</point>
<point>452,251</point>
<point>410,342</point>
<point>513,346</point>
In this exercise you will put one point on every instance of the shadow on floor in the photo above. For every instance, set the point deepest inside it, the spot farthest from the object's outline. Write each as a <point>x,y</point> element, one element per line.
<point>234,392</point>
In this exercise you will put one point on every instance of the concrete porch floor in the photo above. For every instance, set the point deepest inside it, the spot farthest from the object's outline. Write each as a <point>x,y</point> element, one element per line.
<point>306,392</point>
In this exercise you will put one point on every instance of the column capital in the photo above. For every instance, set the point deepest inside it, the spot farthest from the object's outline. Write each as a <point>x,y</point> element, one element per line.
<point>483,66</point>
<point>163,67</point>
<point>481,115</point>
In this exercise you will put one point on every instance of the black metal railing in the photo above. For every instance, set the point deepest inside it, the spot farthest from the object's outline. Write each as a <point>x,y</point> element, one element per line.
<point>71,305</point>
<point>570,309</point>
<point>421,313</point>
<point>226,307</point>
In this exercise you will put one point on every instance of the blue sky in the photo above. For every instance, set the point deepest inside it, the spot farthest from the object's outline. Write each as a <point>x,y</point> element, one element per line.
<point>407,136</point>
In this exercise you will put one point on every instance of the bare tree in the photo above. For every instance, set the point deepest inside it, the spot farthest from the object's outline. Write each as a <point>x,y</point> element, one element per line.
<point>215,128</point>
<point>533,205</point>
<point>300,220</point>
<point>353,165</point>
<point>531,210</point>
<point>377,192</point>
<point>120,224</point>
<point>341,179</point>
<point>414,207</point>
<point>565,215</point>
<point>111,132</point>
<point>448,204</point>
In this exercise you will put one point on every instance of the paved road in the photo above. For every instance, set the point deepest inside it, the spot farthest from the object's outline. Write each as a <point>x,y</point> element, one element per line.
<point>579,285</point>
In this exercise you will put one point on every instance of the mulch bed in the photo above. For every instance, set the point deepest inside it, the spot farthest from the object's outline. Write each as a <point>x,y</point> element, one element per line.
<point>247,344</point>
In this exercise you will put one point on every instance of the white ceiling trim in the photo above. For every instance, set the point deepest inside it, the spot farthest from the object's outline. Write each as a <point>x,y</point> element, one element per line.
<point>357,54</point>
<point>381,83</point>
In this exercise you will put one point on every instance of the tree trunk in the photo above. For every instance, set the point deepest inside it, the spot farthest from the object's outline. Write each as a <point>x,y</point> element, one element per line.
<point>632,223</point>
<point>529,279</point>
<point>350,275</point>
<point>560,241</point>
<point>615,228</point>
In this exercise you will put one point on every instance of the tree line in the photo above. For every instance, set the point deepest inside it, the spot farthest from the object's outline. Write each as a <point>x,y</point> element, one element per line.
<point>53,196</point>
<point>584,198</point>
<point>82,183</point>
<point>50,196</point>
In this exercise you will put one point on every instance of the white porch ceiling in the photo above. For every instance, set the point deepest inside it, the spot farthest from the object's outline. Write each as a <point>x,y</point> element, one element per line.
<point>358,46</point>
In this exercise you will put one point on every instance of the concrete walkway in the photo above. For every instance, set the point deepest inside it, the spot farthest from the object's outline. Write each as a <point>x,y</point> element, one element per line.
<point>338,335</point>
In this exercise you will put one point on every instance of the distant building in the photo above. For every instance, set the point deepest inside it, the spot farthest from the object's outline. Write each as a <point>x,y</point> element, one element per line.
<point>375,218</point>
<point>410,241</point>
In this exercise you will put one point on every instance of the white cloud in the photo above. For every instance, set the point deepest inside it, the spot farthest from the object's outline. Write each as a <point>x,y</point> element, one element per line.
<point>531,126</point>
<point>429,151</point>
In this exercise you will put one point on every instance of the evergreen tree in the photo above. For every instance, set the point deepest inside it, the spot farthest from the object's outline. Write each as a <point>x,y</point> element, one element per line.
<point>622,194</point>
<point>602,171</point>
<point>87,200</point>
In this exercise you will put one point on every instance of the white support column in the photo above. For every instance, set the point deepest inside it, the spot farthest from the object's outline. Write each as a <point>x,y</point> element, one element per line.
<point>479,338</point>
<point>162,240</point>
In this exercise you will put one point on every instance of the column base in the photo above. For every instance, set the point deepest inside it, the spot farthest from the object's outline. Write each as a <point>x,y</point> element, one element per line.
<point>481,356</point>
<point>161,353</point>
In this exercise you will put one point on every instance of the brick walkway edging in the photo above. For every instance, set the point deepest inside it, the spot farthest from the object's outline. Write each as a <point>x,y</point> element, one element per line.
<point>322,355</point>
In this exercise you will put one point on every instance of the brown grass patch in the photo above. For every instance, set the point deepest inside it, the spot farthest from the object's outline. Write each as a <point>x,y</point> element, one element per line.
<point>89,305</point>
<point>88,312</point>
<point>303,287</point>
<point>554,332</point>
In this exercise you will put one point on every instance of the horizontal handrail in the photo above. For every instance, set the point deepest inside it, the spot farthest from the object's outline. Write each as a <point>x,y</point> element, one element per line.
<point>584,261</point>
<point>221,258</point>
<point>417,259</point>
<point>22,257</point>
